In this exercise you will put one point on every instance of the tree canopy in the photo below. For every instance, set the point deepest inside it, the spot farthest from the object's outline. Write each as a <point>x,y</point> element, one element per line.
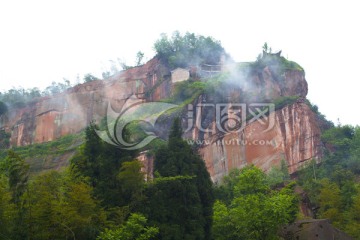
<point>180,199</point>
<point>134,229</point>
<point>3,108</point>
<point>332,185</point>
<point>189,49</point>
<point>255,211</point>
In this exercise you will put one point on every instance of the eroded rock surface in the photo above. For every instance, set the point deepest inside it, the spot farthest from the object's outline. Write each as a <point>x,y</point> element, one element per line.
<point>294,136</point>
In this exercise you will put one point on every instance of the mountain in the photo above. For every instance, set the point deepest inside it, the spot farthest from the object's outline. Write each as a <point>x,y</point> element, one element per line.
<point>234,113</point>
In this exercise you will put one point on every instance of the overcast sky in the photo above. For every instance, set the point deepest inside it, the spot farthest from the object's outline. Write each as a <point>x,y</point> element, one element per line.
<point>45,41</point>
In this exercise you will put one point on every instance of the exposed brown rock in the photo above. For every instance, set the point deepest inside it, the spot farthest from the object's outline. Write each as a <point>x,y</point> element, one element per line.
<point>52,117</point>
<point>295,136</point>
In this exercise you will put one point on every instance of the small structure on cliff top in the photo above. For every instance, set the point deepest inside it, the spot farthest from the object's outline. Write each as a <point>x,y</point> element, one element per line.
<point>179,75</point>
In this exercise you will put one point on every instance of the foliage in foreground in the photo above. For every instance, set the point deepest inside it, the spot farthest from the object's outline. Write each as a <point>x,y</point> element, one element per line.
<point>181,191</point>
<point>134,229</point>
<point>105,189</point>
<point>252,210</point>
<point>333,185</point>
<point>52,205</point>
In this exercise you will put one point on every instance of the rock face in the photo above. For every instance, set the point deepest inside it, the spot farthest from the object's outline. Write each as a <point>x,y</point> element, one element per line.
<point>291,133</point>
<point>294,134</point>
<point>294,137</point>
<point>49,118</point>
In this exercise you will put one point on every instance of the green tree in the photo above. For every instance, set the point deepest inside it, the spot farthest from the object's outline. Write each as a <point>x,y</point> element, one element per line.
<point>353,162</point>
<point>135,228</point>
<point>353,226</point>
<point>60,207</point>
<point>332,185</point>
<point>251,181</point>
<point>8,210</point>
<point>224,226</point>
<point>17,172</point>
<point>265,47</point>
<point>174,206</point>
<point>89,78</point>
<point>330,201</point>
<point>278,175</point>
<point>338,142</point>
<point>132,182</point>
<point>57,87</point>
<point>183,192</point>
<point>3,108</point>
<point>106,74</point>
<point>139,58</point>
<point>225,190</point>
<point>4,139</point>
<point>80,212</point>
<point>18,97</point>
<point>101,163</point>
<point>190,49</point>
<point>255,212</point>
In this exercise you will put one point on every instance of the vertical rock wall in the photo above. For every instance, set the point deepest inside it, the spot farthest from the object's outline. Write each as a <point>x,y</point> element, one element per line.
<point>294,137</point>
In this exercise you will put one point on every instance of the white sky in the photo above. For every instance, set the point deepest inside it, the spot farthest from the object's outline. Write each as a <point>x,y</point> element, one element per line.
<point>44,41</point>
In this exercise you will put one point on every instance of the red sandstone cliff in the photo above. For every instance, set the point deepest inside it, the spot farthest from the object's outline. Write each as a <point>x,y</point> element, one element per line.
<point>49,118</point>
<point>294,137</point>
<point>294,134</point>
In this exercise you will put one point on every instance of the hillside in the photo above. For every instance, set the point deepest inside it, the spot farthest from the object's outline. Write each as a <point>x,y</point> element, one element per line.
<point>188,145</point>
<point>294,135</point>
